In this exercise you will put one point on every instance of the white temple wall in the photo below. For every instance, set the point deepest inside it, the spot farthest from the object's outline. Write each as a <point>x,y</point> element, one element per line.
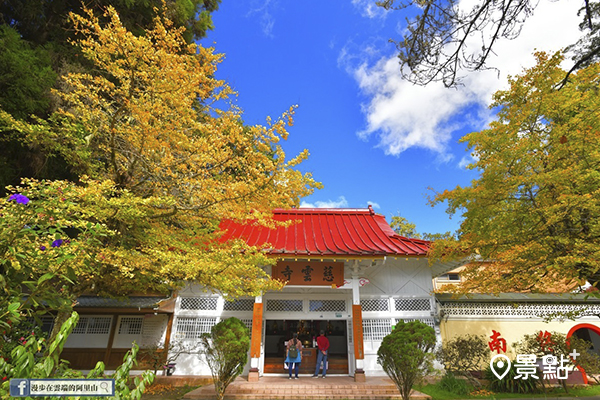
<point>399,289</point>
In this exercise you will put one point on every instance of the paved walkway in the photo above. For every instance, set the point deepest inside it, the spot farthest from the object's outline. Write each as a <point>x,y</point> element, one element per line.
<point>306,388</point>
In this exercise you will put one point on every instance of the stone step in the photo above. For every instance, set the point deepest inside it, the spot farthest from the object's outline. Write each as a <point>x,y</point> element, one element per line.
<point>306,388</point>
<point>303,391</point>
<point>314,397</point>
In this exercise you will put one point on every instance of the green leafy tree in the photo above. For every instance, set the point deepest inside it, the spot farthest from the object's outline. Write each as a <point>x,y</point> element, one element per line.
<point>42,21</point>
<point>25,363</point>
<point>533,214</point>
<point>226,352</point>
<point>438,43</point>
<point>27,76</point>
<point>464,355</point>
<point>50,251</point>
<point>403,227</point>
<point>406,354</point>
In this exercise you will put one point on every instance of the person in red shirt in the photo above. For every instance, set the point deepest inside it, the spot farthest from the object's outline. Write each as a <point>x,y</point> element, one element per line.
<point>322,351</point>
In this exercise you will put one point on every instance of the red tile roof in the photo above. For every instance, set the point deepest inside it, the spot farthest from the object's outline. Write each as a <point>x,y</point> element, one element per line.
<point>327,232</point>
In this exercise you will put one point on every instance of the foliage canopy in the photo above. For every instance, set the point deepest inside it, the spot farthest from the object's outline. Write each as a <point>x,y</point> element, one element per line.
<point>166,164</point>
<point>35,49</point>
<point>533,214</point>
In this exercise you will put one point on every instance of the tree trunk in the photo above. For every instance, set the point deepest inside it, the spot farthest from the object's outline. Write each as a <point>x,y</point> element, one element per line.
<point>59,320</point>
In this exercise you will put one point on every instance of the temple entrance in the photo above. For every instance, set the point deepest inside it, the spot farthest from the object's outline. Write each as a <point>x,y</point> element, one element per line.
<point>277,332</point>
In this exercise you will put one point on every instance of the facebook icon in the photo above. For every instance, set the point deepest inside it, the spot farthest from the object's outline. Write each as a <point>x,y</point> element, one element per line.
<point>19,387</point>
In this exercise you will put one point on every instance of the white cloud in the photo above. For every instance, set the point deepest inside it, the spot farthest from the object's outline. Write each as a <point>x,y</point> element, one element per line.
<point>266,19</point>
<point>369,9</point>
<point>341,202</point>
<point>373,204</point>
<point>466,161</point>
<point>402,115</point>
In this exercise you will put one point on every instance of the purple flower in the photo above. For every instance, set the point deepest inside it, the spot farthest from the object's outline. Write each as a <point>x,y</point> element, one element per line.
<point>42,248</point>
<point>57,243</point>
<point>19,198</point>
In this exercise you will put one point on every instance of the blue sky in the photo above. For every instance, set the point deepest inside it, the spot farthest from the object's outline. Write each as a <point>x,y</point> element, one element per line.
<point>372,137</point>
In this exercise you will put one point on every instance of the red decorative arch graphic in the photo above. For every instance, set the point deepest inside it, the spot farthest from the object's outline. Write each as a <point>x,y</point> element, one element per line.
<point>572,331</point>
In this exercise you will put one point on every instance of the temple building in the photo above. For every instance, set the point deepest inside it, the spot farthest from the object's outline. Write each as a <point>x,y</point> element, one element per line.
<point>347,273</point>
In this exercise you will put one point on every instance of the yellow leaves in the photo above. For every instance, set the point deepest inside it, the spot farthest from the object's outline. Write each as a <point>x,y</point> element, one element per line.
<point>534,208</point>
<point>171,158</point>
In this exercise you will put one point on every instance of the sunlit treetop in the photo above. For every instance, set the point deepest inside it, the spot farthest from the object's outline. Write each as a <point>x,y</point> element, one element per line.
<point>164,156</point>
<point>533,215</point>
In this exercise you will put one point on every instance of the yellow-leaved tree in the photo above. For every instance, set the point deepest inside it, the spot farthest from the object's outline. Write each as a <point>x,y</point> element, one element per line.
<point>533,214</point>
<point>163,156</point>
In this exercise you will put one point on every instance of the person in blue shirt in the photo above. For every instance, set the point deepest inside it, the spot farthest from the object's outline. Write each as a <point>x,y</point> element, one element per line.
<point>294,362</point>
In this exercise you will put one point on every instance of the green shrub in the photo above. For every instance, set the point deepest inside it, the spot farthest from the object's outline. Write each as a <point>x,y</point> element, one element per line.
<point>452,384</point>
<point>557,344</point>
<point>405,354</point>
<point>508,384</point>
<point>18,333</point>
<point>226,352</point>
<point>24,364</point>
<point>463,355</point>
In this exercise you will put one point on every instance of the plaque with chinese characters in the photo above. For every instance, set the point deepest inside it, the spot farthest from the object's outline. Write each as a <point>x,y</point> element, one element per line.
<point>309,273</point>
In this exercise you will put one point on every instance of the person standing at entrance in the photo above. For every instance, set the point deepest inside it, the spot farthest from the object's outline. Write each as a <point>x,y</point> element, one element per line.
<point>322,351</point>
<point>294,355</point>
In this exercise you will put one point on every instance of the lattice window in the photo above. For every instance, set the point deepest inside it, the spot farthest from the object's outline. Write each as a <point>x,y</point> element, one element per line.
<point>93,326</point>
<point>369,305</point>
<point>376,329</point>
<point>131,325</point>
<point>99,325</point>
<point>193,328</point>
<point>239,305</point>
<point>531,310</point>
<point>412,304</point>
<point>81,326</point>
<point>199,303</point>
<point>426,321</point>
<point>284,305</point>
<point>327,305</point>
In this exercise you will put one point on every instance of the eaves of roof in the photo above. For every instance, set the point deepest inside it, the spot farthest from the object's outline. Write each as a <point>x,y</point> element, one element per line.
<point>139,302</point>
<point>318,232</point>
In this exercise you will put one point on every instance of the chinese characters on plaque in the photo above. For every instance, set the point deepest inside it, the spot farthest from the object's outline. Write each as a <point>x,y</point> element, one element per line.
<point>309,273</point>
